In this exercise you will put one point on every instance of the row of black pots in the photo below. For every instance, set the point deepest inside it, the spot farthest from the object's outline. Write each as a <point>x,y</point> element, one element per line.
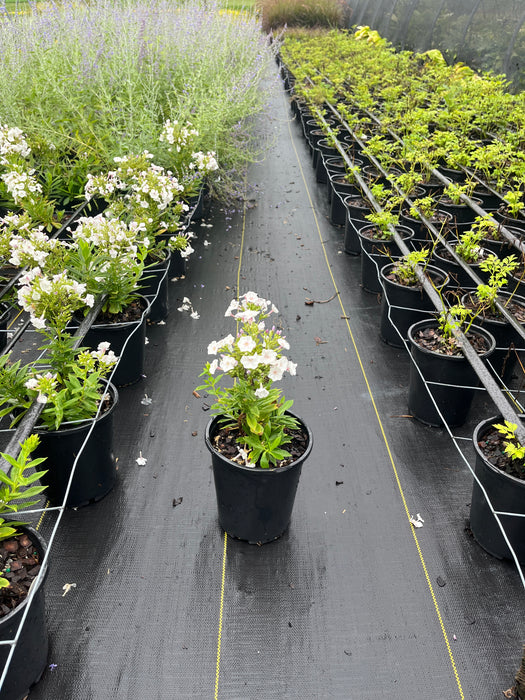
<point>87,447</point>
<point>449,379</point>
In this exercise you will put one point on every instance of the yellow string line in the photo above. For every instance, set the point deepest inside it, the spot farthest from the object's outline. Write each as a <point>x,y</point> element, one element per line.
<point>221,608</point>
<point>42,516</point>
<point>390,456</point>
<point>223,576</point>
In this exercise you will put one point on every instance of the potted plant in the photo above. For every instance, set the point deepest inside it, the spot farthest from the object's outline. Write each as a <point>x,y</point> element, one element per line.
<point>483,301</point>
<point>258,447</point>
<point>22,551</point>
<point>109,259</point>
<point>378,246</point>
<point>404,299</point>
<point>500,472</point>
<point>427,207</point>
<point>77,401</point>
<point>442,382</point>
<point>468,248</point>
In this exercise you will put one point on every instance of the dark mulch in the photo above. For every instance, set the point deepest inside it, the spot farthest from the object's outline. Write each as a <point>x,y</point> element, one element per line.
<point>515,308</point>
<point>431,339</point>
<point>133,312</point>
<point>437,279</point>
<point>493,447</point>
<point>225,442</point>
<point>482,255</point>
<point>19,564</point>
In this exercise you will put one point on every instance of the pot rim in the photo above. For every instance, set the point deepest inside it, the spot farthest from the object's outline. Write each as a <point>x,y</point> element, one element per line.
<point>479,432</point>
<point>432,321</point>
<point>403,229</point>
<point>499,321</point>
<point>387,268</point>
<point>258,470</point>
<point>126,324</point>
<point>439,248</point>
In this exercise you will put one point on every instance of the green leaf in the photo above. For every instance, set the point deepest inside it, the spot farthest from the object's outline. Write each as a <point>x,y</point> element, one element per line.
<point>4,478</point>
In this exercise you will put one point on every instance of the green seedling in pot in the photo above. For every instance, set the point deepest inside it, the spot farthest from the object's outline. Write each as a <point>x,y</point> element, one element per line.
<point>515,205</point>
<point>456,318</point>
<point>487,226</point>
<point>404,269</point>
<point>19,488</point>
<point>425,206</point>
<point>499,271</point>
<point>382,220</point>
<point>468,247</point>
<point>454,191</point>
<point>513,447</point>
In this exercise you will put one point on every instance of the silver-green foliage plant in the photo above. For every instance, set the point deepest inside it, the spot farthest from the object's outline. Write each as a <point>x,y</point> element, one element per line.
<point>91,81</point>
<point>17,490</point>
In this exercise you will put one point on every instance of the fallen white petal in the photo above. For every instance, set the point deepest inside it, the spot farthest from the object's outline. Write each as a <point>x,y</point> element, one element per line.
<point>67,587</point>
<point>417,521</point>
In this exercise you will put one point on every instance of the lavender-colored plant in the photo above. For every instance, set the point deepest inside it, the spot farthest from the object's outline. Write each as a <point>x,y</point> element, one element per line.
<point>91,81</point>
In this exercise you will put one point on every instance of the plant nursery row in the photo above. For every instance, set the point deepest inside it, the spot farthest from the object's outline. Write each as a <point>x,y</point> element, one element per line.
<point>423,164</point>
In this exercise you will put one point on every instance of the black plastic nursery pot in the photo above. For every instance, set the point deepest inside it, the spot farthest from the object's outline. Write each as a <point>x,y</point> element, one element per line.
<point>376,254</point>
<point>127,340</point>
<point>341,189</point>
<point>422,235</point>
<point>95,471</point>
<point>356,210</point>
<point>402,305</point>
<point>326,150</point>
<point>155,286</point>
<point>506,494</point>
<point>462,214</point>
<point>254,504</point>
<point>453,380</point>
<point>458,276</point>
<point>30,656</point>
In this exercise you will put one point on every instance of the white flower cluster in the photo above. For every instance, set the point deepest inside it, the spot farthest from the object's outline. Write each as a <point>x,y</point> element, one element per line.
<point>253,355</point>
<point>12,141</point>
<point>155,187</point>
<point>176,135</point>
<point>21,185</point>
<point>204,162</point>
<point>31,249</point>
<point>111,236</point>
<point>181,242</point>
<point>245,313</point>
<point>45,384</point>
<point>148,190</point>
<point>103,354</point>
<point>104,185</point>
<point>37,294</point>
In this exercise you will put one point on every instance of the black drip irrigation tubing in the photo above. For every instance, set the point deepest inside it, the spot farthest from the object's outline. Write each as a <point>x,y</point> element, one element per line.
<point>493,389</point>
<point>28,423</point>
